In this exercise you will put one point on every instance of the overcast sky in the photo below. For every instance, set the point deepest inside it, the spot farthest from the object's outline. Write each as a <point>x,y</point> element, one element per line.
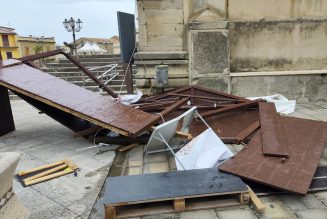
<point>45,17</point>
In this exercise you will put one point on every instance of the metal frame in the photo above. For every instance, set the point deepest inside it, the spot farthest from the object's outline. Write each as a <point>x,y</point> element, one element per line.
<point>107,75</point>
<point>86,71</point>
<point>170,148</point>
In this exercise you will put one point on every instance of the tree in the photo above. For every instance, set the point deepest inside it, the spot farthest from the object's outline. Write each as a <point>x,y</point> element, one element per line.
<point>37,49</point>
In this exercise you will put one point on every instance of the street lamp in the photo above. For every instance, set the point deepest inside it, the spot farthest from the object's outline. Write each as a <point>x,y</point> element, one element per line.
<point>71,26</point>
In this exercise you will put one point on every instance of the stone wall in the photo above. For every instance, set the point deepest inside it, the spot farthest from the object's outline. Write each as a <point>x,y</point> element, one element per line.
<point>208,42</point>
<point>276,9</point>
<point>278,45</point>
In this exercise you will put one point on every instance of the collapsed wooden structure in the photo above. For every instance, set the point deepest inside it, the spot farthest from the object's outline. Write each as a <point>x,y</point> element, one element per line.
<point>281,153</point>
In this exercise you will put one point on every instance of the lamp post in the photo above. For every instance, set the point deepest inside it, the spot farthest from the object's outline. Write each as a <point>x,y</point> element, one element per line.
<point>71,26</point>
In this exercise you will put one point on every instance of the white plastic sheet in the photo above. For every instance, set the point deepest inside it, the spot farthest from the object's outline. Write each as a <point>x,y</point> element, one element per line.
<point>204,151</point>
<point>282,104</point>
<point>130,98</point>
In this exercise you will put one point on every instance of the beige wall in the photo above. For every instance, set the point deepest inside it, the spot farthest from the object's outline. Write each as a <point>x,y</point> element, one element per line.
<point>161,25</point>
<point>278,45</point>
<point>276,9</point>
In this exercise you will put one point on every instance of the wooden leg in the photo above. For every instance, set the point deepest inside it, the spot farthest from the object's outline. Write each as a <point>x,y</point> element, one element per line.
<point>6,118</point>
<point>244,198</point>
<point>258,204</point>
<point>179,204</point>
<point>110,212</point>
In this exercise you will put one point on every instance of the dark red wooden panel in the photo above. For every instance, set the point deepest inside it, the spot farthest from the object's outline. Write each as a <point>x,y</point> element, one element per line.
<point>306,140</point>
<point>91,106</point>
<point>274,142</point>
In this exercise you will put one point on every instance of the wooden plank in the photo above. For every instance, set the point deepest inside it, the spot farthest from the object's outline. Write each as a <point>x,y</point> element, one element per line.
<point>306,138</point>
<point>162,207</point>
<point>242,136</point>
<point>47,166</point>
<point>183,135</point>
<point>52,170</point>
<point>48,177</point>
<point>165,186</point>
<point>179,204</point>
<point>274,141</point>
<point>128,147</point>
<point>258,204</point>
<point>88,105</point>
<point>88,131</point>
<point>155,118</point>
<point>230,108</point>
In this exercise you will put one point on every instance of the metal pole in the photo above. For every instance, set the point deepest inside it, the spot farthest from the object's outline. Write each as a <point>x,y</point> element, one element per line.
<point>74,40</point>
<point>171,150</point>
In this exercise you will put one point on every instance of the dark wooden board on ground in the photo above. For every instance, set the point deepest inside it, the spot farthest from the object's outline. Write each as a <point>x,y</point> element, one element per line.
<point>274,141</point>
<point>319,183</point>
<point>170,185</point>
<point>91,106</point>
<point>159,193</point>
<point>306,139</point>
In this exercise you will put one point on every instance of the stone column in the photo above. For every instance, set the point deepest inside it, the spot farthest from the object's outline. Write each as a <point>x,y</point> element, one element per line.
<point>162,41</point>
<point>208,43</point>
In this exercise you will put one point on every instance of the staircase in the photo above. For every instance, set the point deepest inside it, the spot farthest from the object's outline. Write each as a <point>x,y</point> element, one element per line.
<point>65,70</point>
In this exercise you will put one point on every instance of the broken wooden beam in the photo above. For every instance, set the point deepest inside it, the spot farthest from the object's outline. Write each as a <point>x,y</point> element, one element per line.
<point>231,107</point>
<point>274,141</point>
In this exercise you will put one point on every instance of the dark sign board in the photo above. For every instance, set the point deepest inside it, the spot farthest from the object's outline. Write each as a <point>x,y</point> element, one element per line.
<point>126,26</point>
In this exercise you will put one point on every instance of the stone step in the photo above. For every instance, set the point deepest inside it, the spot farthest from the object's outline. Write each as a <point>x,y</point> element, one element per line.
<point>116,88</point>
<point>96,64</point>
<point>99,56</point>
<point>80,74</point>
<point>92,83</point>
<point>80,77</point>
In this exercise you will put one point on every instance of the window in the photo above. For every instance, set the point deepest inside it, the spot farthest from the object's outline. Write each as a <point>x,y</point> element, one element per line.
<point>27,51</point>
<point>5,40</point>
<point>9,55</point>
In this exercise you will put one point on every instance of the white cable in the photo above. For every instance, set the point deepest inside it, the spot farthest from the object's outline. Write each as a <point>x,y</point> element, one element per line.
<point>160,116</point>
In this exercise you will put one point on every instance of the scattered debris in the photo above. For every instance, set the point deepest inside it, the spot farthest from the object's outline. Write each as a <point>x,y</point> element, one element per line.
<point>281,154</point>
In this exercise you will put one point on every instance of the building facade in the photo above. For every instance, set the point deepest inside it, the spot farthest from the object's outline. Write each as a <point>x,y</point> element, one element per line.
<point>8,43</point>
<point>244,47</point>
<point>29,45</point>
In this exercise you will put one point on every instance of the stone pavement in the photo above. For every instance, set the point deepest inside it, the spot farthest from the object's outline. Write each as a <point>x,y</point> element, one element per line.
<point>42,140</point>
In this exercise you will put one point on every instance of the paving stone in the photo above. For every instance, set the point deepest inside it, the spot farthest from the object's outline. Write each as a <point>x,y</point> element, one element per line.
<point>158,167</point>
<point>238,147</point>
<point>162,216</point>
<point>135,154</point>
<point>157,157</point>
<point>41,140</point>
<point>276,210</point>
<point>311,214</point>
<point>321,195</point>
<point>135,163</point>
<point>203,214</point>
<point>172,163</point>
<point>39,205</point>
<point>299,202</point>
<point>323,158</point>
<point>67,214</point>
<point>134,170</point>
<point>236,213</point>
